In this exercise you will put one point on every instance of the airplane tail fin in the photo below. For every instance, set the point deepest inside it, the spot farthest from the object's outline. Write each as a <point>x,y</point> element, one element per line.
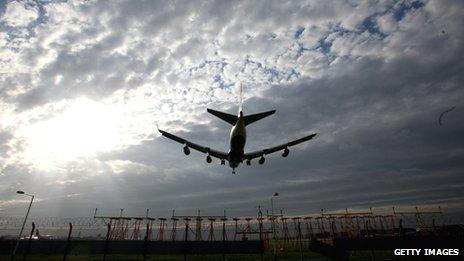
<point>249,119</point>
<point>231,119</point>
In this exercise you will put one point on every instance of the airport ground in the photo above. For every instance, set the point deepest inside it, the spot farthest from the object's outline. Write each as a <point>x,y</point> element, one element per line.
<point>244,257</point>
<point>287,256</point>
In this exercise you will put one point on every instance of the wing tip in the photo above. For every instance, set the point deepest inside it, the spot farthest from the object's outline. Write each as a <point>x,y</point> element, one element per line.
<point>162,132</point>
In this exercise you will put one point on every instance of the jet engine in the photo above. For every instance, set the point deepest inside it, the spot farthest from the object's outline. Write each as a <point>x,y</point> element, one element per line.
<point>208,159</point>
<point>261,160</point>
<point>286,152</point>
<point>186,150</point>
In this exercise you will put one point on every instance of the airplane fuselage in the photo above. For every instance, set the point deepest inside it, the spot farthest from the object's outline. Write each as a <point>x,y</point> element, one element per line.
<point>237,142</point>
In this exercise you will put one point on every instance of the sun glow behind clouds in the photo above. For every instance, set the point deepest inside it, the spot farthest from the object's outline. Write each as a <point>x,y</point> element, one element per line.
<point>83,130</point>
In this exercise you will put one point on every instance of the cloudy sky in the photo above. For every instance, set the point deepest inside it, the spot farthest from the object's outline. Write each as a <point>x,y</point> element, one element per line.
<point>83,85</point>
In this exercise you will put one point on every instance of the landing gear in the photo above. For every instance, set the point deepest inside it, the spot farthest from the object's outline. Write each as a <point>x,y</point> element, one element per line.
<point>233,170</point>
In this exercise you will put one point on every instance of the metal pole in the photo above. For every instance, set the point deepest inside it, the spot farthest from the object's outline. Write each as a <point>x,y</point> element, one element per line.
<point>272,214</point>
<point>186,238</point>
<point>145,241</point>
<point>299,240</point>
<point>28,248</point>
<point>106,241</point>
<point>22,228</point>
<point>223,238</point>
<point>273,228</point>
<point>66,249</point>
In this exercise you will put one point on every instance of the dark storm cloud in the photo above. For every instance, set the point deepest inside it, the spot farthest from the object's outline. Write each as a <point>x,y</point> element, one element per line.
<point>379,142</point>
<point>372,91</point>
<point>378,136</point>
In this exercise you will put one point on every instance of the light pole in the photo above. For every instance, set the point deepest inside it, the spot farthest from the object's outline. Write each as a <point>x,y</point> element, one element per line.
<point>24,223</point>
<point>273,223</point>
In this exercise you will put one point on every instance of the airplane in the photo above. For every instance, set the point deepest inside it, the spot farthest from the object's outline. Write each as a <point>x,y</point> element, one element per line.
<point>236,154</point>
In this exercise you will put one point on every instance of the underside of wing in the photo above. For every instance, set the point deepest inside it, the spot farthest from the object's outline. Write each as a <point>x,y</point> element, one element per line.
<point>188,144</point>
<point>259,153</point>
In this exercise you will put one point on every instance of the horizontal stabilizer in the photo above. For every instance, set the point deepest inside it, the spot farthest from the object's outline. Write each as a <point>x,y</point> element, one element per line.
<point>256,117</point>
<point>232,119</point>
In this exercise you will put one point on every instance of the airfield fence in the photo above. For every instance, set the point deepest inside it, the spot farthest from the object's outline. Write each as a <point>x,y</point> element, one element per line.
<point>324,226</point>
<point>200,234</point>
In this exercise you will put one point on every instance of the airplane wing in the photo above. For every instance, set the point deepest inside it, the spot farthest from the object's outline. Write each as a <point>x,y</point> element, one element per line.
<point>259,153</point>
<point>214,153</point>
